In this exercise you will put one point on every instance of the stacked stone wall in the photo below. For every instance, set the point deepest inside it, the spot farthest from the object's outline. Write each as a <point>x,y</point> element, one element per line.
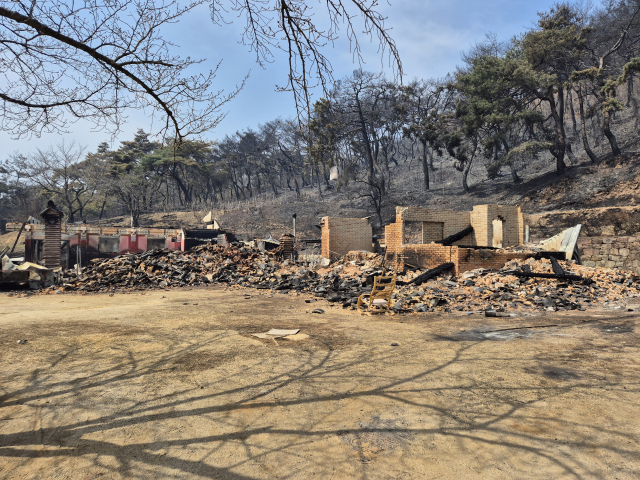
<point>619,253</point>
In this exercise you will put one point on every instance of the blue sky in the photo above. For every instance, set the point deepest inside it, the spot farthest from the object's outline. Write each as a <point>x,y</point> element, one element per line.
<point>430,36</point>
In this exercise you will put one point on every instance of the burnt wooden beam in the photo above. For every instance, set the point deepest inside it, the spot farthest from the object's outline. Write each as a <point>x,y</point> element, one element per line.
<point>429,274</point>
<point>573,278</point>
<point>557,269</point>
<point>451,239</point>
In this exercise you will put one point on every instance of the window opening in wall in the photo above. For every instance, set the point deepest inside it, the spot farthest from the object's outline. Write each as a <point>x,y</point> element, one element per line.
<point>109,244</point>
<point>412,233</point>
<point>497,233</point>
<point>156,243</point>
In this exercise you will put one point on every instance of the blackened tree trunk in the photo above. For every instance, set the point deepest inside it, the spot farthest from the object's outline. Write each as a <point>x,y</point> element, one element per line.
<point>572,110</point>
<point>425,165</point>
<point>365,141</point>
<point>514,174</point>
<point>583,127</point>
<point>560,144</point>
<point>102,209</point>
<point>465,175</point>
<point>606,128</point>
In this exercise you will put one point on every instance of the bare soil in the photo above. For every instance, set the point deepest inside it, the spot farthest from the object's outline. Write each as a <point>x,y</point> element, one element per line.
<point>171,384</point>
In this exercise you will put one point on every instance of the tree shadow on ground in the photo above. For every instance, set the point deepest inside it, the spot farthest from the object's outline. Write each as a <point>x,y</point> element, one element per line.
<point>459,406</point>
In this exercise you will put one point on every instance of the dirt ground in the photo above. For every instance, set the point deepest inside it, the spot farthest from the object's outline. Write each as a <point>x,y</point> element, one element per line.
<point>170,384</point>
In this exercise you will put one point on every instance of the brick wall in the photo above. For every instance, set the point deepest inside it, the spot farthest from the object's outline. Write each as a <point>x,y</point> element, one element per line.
<point>437,224</point>
<point>470,259</point>
<point>342,235</point>
<point>449,222</point>
<point>432,231</point>
<point>425,256</point>
<point>619,253</point>
<point>482,217</point>
<point>464,259</point>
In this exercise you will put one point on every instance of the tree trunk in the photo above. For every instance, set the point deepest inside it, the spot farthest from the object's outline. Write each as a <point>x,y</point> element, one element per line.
<point>319,182</point>
<point>615,149</point>
<point>514,174</point>
<point>573,112</point>
<point>583,128</point>
<point>102,209</point>
<point>365,141</point>
<point>249,186</point>
<point>72,213</point>
<point>569,150</point>
<point>379,212</point>
<point>465,174</point>
<point>425,165</point>
<point>561,167</point>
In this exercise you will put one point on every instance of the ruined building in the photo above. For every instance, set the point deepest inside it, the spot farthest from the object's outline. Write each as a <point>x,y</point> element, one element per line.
<point>413,238</point>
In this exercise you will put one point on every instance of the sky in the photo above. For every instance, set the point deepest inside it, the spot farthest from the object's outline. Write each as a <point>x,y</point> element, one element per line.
<point>430,36</point>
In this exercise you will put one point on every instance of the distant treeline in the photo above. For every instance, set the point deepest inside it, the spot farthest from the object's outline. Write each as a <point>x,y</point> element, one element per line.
<point>549,91</point>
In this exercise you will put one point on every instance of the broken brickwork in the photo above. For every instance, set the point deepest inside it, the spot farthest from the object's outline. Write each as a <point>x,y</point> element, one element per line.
<point>493,226</point>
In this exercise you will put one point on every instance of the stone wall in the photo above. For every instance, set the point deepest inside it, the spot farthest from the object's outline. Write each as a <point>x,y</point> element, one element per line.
<point>620,253</point>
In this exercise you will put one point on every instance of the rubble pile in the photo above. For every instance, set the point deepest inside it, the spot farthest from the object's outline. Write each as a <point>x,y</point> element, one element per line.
<point>480,290</point>
<point>345,280</point>
<point>235,265</point>
<point>169,268</point>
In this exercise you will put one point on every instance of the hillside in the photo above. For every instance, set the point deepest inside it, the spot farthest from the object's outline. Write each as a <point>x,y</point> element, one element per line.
<point>601,196</point>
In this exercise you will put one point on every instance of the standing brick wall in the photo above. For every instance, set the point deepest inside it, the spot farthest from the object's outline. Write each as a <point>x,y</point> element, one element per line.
<point>425,256</point>
<point>325,241</point>
<point>430,255</point>
<point>482,218</point>
<point>342,235</point>
<point>432,231</point>
<point>470,259</point>
<point>619,253</point>
<point>448,222</point>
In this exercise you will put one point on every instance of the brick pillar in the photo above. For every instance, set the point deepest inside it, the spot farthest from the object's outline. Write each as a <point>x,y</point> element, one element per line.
<point>52,235</point>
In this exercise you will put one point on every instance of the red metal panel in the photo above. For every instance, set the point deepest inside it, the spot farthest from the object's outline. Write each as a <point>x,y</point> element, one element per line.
<point>92,240</point>
<point>124,243</point>
<point>142,243</point>
<point>74,239</point>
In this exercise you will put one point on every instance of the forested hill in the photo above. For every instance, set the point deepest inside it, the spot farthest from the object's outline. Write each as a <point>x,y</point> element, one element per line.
<point>547,120</point>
